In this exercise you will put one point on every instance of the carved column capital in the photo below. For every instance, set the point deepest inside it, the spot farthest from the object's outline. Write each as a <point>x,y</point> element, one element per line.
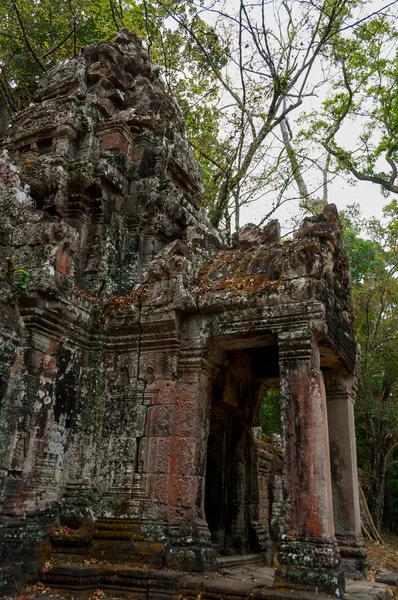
<point>194,361</point>
<point>340,385</point>
<point>298,346</point>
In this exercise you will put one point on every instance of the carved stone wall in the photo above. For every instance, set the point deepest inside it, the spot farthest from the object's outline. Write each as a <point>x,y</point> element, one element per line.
<point>136,347</point>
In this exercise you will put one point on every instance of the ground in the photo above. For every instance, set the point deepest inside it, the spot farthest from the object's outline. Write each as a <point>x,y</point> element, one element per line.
<point>382,558</point>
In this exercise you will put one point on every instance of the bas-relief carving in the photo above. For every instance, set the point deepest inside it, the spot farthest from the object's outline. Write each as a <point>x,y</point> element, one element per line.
<point>142,334</point>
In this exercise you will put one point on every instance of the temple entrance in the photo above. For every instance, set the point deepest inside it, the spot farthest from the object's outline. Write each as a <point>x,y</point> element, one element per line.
<point>237,484</point>
<point>228,481</point>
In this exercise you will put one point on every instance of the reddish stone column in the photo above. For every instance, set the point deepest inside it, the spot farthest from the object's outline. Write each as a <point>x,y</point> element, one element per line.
<point>308,557</point>
<point>340,393</point>
<point>189,545</point>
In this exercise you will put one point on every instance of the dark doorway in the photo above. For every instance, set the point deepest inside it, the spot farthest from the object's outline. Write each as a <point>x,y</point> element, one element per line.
<point>229,493</point>
<point>233,500</point>
<point>228,482</point>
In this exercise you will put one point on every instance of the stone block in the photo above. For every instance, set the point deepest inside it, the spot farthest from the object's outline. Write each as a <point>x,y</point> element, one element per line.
<point>158,488</point>
<point>159,421</point>
<point>160,448</point>
<point>216,589</point>
<point>182,490</point>
<point>388,578</point>
<point>164,393</point>
<point>183,453</point>
<point>186,422</point>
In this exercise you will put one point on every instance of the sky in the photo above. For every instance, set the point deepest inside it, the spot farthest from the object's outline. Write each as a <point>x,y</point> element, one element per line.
<point>340,191</point>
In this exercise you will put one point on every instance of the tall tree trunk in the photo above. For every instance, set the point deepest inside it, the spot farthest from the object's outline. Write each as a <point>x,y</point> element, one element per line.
<point>301,186</point>
<point>237,210</point>
<point>368,526</point>
<point>378,488</point>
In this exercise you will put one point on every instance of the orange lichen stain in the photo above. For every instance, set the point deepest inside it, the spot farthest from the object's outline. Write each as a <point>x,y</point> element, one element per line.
<point>133,298</point>
<point>53,345</point>
<point>315,527</point>
<point>238,285</point>
<point>172,462</point>
<point>86,295</point>
<point>62,531</point>
<point>27,164</point>
<point>63,262</point>
<point>230,271</point>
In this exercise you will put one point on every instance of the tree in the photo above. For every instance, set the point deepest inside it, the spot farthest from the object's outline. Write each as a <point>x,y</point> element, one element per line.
<point>270,414</point>
<point>271,71</point>
<point>363,99</point>
<point>238,74</point>
<point>374,264</point>
<point>34,36</point>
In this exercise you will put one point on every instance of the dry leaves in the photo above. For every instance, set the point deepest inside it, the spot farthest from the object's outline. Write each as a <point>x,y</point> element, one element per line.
<point>97,595</point>
<point>382,558</point>
<point>86,295</point>
<point>62,531</point>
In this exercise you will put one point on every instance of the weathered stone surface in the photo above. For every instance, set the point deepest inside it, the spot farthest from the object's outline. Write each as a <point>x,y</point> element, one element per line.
<point>136,349</point>
<point>388,578</point>
<point>251,236</point>
<point>368,590</point>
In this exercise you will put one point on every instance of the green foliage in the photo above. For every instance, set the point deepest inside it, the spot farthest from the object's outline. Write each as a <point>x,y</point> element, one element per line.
<point>373,251</point>
<point>271,413</point>
<point>21,283</point>
<point>364,70</point>
<point>366,259</point>
<point>238,72</point>
<point>392,497</point>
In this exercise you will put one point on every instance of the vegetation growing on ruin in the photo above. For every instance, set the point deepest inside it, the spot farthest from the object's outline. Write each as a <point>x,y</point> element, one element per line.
<point>21,283</point>
<point>271,413</point>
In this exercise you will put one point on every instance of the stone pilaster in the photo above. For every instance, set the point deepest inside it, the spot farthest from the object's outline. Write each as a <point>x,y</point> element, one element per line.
<point>182,481</point>
<point>340,393</point>
<point>309,557</point>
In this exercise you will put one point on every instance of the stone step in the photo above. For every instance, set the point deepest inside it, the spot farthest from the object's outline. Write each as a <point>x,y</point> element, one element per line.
<point>390,578</point>
<point>143,584</point>
<point>122,530</point>
<point>118,529</point>
<point>7,580</point>
<point>72,576</point>
<point>366,590</point>
<point>146,584</point>
<point>67,554</point>
<point>104,523</point>
<point>240,560</point>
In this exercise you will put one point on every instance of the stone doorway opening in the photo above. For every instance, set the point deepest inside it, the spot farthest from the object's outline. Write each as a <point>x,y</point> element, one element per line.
<point>238,492</point>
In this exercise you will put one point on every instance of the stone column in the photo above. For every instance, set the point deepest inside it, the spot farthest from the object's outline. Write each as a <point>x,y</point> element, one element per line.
<point>340,393</point>
<point>309,557</point>
<point>189,545</point>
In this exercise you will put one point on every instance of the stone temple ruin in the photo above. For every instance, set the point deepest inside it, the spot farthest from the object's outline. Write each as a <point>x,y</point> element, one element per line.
<point>137,347</point>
